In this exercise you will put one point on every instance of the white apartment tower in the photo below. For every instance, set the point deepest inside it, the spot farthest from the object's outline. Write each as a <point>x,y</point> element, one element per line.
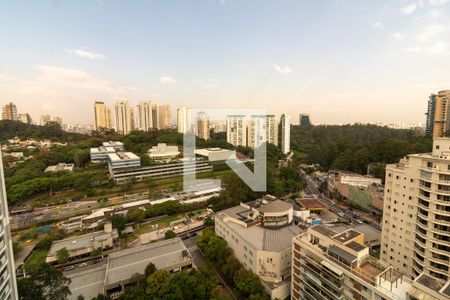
<point>236,130</point>
<point>184,122</point>
<point>285,128</point>
<point>164,117</point>
<point>144,115</point>
<point>102,115</point>
<point>203,125</point>
<point>124,117</point>
<point>44,119</point>
<point>262,129</point>
<point>8,287</point>
<point>416,219</point>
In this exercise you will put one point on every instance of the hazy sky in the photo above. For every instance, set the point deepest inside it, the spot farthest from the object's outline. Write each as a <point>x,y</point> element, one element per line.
<point>341,61</point>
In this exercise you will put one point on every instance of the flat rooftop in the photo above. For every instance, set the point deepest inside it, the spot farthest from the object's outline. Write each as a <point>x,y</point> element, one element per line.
<point>120,156</point>
<point>80,242</point>
<point>347,236</point>
<point>311,204</point>
<point>88,282</point>
<point>275,206</point>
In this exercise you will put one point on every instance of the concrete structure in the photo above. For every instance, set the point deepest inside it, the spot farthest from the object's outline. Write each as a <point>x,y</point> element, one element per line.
<point>144,116</point>
<point>118,146</point>
<point>218,126</point>
<point>44,119</point>
<point>8,287</point>
<point>164,117</point>
<point>416,220</point>
<point>60,167</point>
<point>110,277</point>
<point>102,115</point>
<point>428,288</point>
<point>202,130</point>
<point>304,120</point>
<point>331,262</point>
<point>285,130</point>
<point>163,152</point>
<point>260,234</point>
<point>123,160</point>
<point>9,112</point>
<point>262,129</point>
<point>83,245</point>
<point>155,116</point>
<point>236,130</point>
<point>358,180</point>
<point>25,118</point>
<point>216,154</point>
<point>124,117</point>
<point>184,122</point>
<point>100,154</point>
<point>438,114</point>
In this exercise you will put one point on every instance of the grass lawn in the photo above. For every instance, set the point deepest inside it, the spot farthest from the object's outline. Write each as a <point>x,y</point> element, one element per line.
<point>36,259</point>
<point>162,224</point>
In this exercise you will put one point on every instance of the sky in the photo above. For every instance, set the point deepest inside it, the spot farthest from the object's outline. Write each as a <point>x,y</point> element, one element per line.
<point>342,61</point>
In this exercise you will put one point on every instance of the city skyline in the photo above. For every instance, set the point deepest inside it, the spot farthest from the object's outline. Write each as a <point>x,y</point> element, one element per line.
<point>357,68</point>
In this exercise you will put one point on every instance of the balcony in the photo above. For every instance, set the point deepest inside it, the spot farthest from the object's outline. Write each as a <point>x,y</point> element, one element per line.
<point>440,221</point>
<point>443,232</point>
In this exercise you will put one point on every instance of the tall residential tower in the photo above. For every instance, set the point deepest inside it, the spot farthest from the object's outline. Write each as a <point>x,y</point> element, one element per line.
<point>124,117</point>
<point>184,121</point>
<point>262,129</point>
<point>102,115</point>
<point>9,112</point>
<point>144,115</point>
<point>236,130</point>
<point>285,129</point>
<point>438,114</point>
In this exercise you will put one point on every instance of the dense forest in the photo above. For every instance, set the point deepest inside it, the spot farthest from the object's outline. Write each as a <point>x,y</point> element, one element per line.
<point>353,147</point>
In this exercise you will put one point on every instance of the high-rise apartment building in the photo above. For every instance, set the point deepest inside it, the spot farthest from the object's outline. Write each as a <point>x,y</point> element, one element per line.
<point>103,117</point>
<point>155,116</point>
<point>304,120</point>
<point>9,112</point>
<point>124,117</point>
<point>25,118</point>
<point>8,287</point>
<point>44,119</point>
<point>144,115</point>
<point>438,114</point>
<point>184,122</point>
<point>237,130</point>
<point>262,129</point>
<point>285,130</point>
<point>203,125</point>
<point>164,117</point>
<point>416,219</point>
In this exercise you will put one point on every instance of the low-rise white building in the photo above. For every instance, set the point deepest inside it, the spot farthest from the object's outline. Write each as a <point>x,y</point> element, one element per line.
<point>100,154</point>
<point>163,152</point>
<point>260,234</point>
<point>216,154</point>
<point>60,167</point>
<point>123,160</point>
<point>118,146</point>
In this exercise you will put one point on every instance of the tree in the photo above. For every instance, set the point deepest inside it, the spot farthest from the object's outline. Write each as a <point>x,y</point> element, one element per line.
<point>135,215</point>
<point>247,283</point>
<point>230,268</point>
<point>80,297</point>
<point>158,284</point>
<point>149,269</point>
<point>203,239</point>
<point>62,255</point>
<point>217,250</point>
<point>208,222</point>
<point>45,283</point>
<point>170,234</point>
<point>119,222</point>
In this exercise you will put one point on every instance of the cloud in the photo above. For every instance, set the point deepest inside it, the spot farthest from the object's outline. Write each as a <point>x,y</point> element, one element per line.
<point>166,79</point>
<point>207,83</point>
<point>438,48</point>
<point>377,25</point>
<point>437,2</point>
<point>431,32</point>
<point>282,70</point>
<point>396,35</point>
<point>85,54</point>
<point>434,14</point>
<point>409,9</point>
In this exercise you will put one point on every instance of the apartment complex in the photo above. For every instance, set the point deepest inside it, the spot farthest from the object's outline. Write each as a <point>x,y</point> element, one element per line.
<point>8,287</point>
<point>260,234</point>
<point>9,112</point>
<point>102,115</point>
<point>184,121</point>
<point>285,130</point>
<point>416,221</point>
<point>144,113</point>
<point>164,117</point>
<point>237,130</point>
<point>262,129</point>
<point>304,120</point>
<point>202,126</point>
<point>438,114</point>
<point>124,117</point>
<point>331,262</point>
<point>25,118</point>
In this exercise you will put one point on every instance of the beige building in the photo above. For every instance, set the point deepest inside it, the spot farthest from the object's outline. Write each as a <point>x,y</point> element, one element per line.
<point>44,119</point>
<point>144,113</point>
<point>203,126</point>
<point>331,262</point>
<point>438,114</point>
<point>262,129</point>
<point>164,117</point>
<point>184,121</point>
<point>9,112</point>
<point>124,117</point>
<point>260,234</point>
<point>102,116</point>
<point>416,221</point>
<point>237,130</point>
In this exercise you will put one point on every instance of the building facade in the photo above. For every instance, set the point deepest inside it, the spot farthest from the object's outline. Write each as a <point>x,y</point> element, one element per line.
<point>25,118</point>
<point>304,120</point>
<point>285,130</point>
<point>184,121</point>
<point>144,112</point>
<point>9,112</point>
<point>438,114</point>
<point>416,219</point>
<point>236,130</point>
<point>8,287</point>
<point>262,129</point>
<point>202,126</point>
<point>124,117</point>
<point>164,117</point>
<point>44,119</point>
<point>102,116</point>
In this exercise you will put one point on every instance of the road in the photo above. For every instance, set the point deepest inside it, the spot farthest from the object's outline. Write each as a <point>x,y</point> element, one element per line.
<point>199,261</point>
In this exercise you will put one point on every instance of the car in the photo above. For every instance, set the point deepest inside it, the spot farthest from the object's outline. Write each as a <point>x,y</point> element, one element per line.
<point>82,265</point>
<point>69,268</point>
<point>359,221</point>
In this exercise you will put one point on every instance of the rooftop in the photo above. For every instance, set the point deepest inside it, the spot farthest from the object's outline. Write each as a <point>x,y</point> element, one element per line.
<point>347,236</point>
<point>120,156</point>
<point>275,206</point>
<point>311,204</point>
<point>88,282</point>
